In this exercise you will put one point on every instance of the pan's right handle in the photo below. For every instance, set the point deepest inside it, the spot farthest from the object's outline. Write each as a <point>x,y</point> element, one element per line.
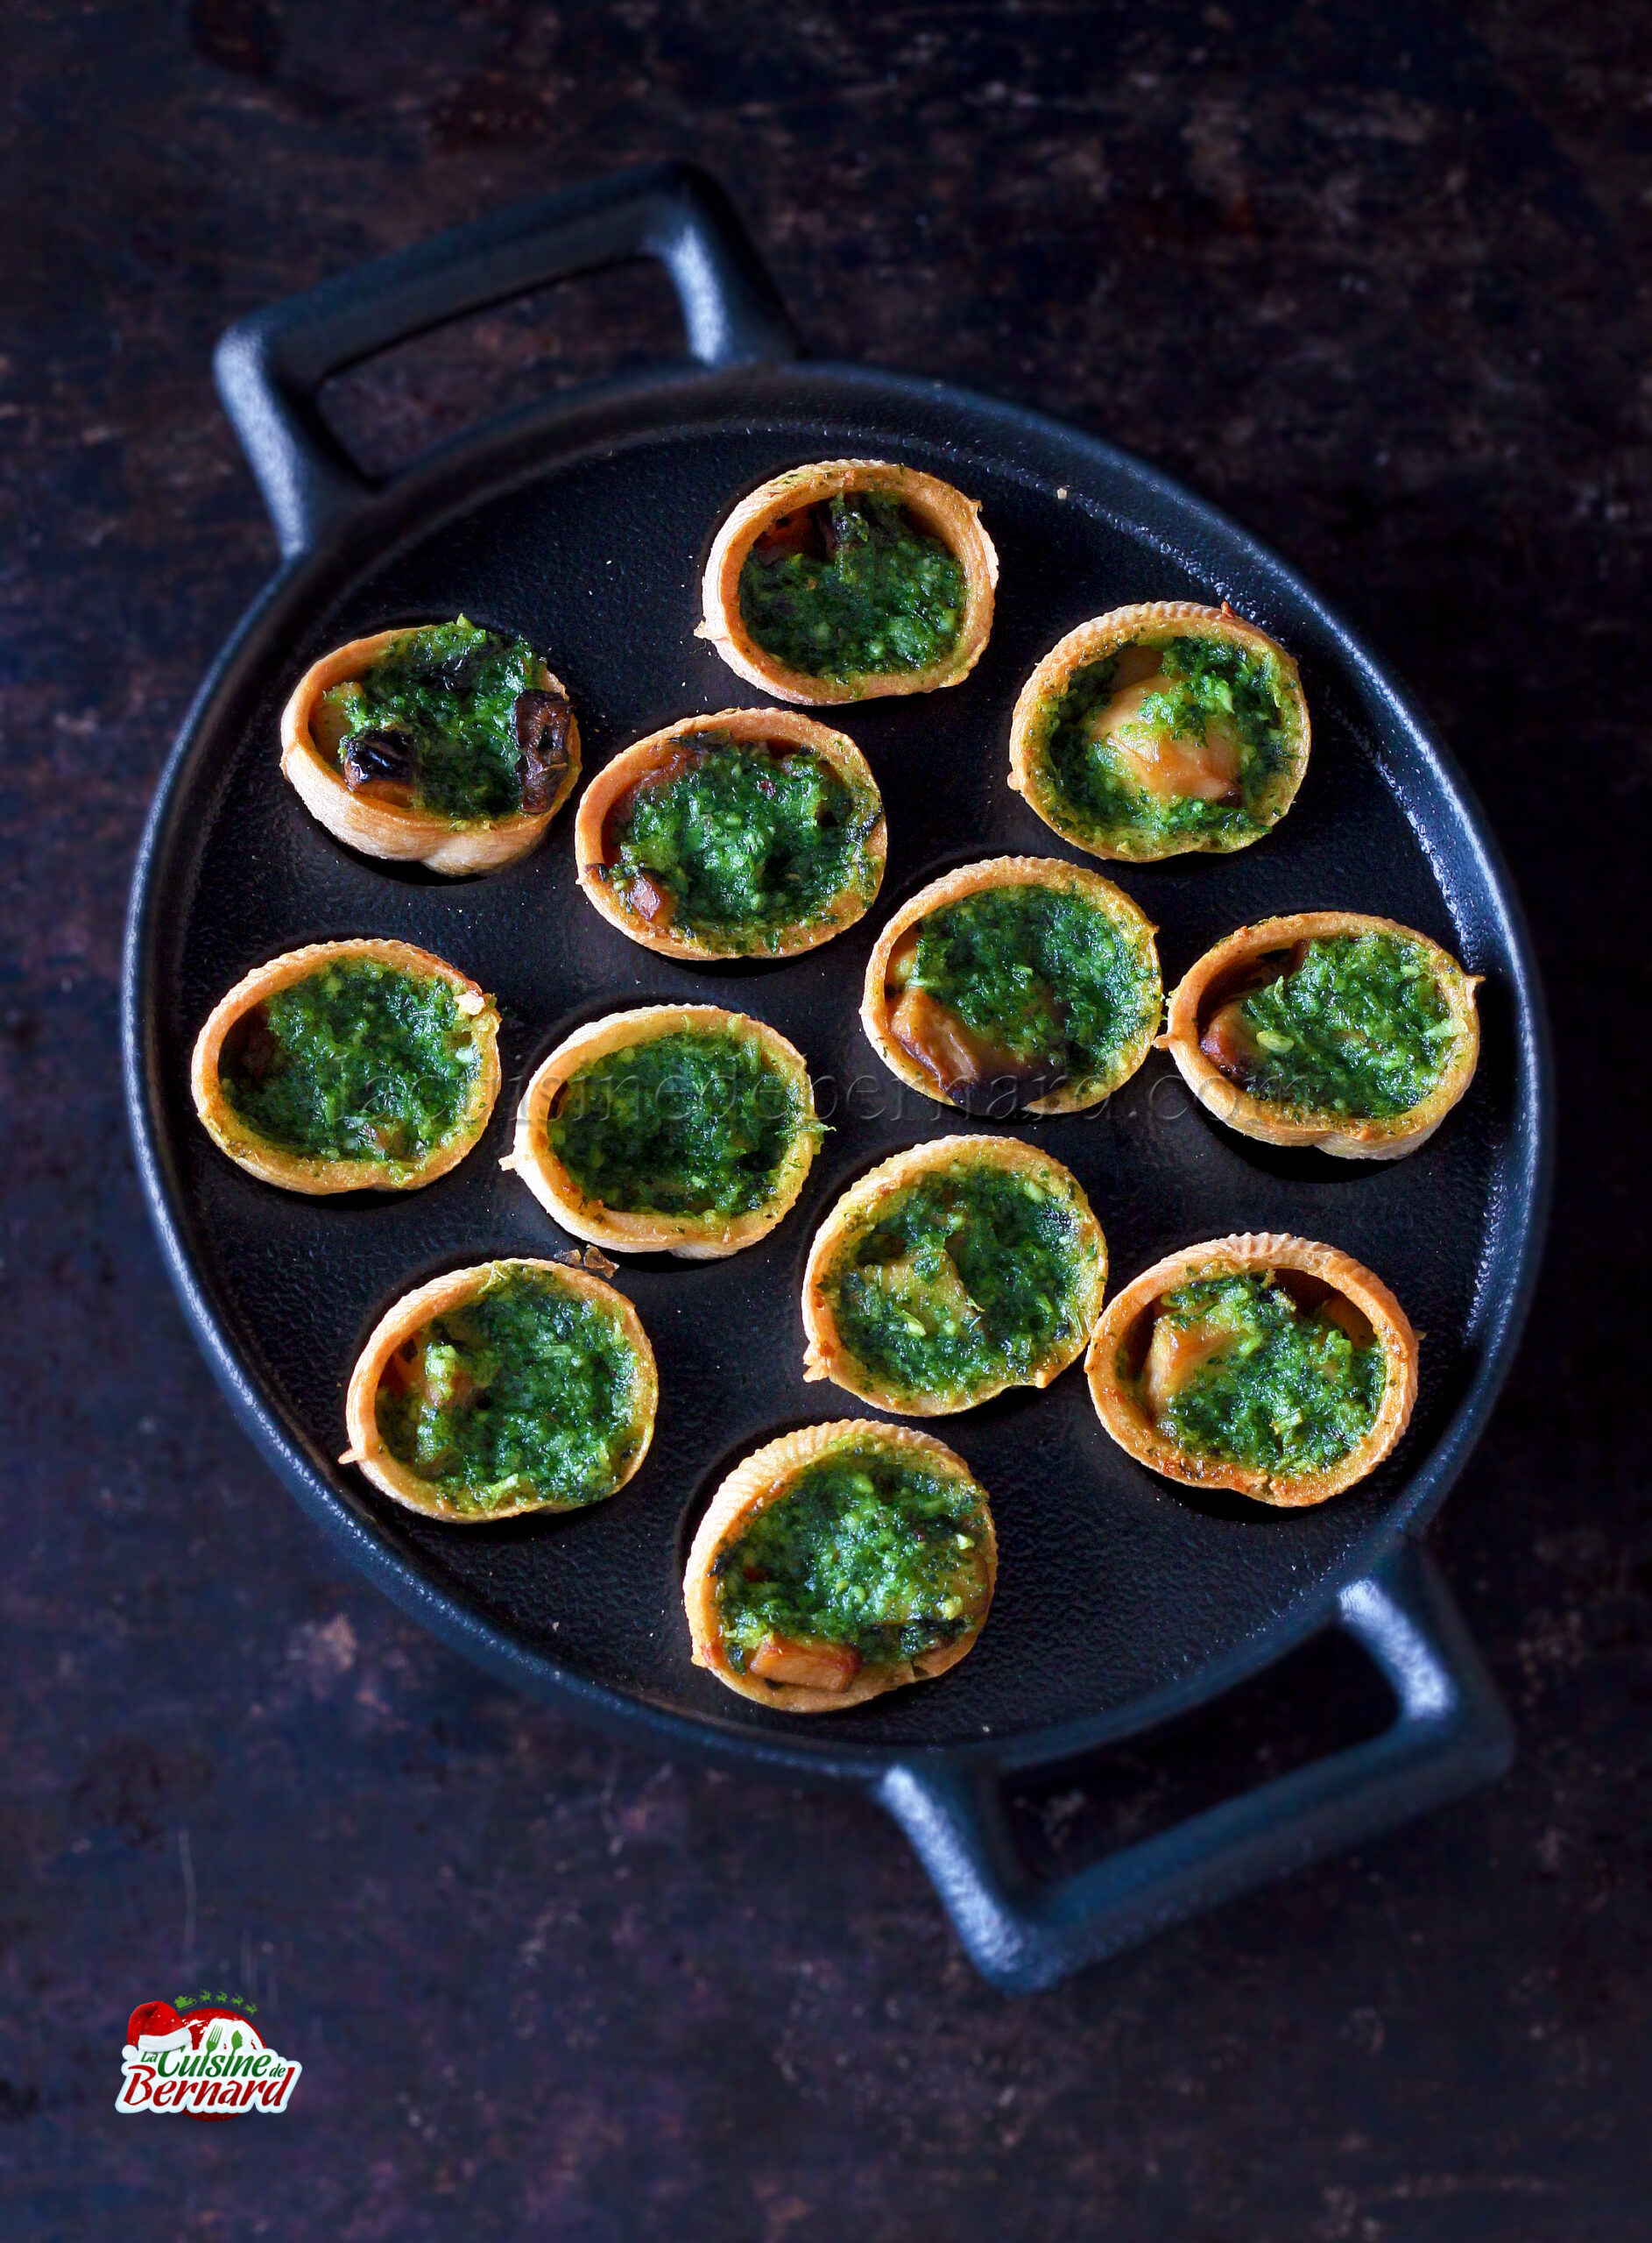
<point>270,365</point>
<point>1449,1734</point>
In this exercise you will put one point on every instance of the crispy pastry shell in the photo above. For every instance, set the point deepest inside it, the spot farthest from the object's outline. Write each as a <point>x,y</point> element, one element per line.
<point>410,1314</point>
<point>943,512</point>
<point>765,1475</point>
<point>302,1172</point>
<point>1331,1132</point>
<point>1131,1426</point>
<point>970,879</point>
<point>696,1238</point>
<point>635,762</point>
<point>1105,635</point>
<point>408,836</point>
<point>828,1357</point>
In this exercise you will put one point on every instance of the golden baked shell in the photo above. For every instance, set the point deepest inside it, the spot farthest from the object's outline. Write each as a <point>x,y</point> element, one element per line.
<point>971,880</point>
<point>1134,1430</point>
<point>635,762</point>
<point>696,1238</point>
<point>379,829</point>
<point>1105,634</point>
<point>828,1357</point>
<point>302,1172</point>
<point>944,512</point>
<point>763,1476</point>
<point>409,1315</point>
<point>1254,1117</point>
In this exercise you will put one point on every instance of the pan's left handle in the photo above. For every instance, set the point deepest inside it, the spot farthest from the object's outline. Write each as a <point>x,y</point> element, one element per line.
<point>1449,1733</point>
<point>270,365</point>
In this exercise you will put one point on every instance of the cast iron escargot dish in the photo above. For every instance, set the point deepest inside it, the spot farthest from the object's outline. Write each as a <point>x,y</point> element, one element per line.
<point>512,1386</point>
<point>685,1128</point>
<point>440,744</point>
<point>752,832</point>
<point>1159,728</point>
<point>1331,1029</point>
<point>1024,982</point>
<point>1272,1365</point>
<point>848,579</point>
<point>838,1562</point>
<point>348,1066</point>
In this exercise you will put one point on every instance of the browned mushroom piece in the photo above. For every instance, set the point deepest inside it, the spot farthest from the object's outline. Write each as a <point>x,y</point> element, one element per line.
<point>545,736</point>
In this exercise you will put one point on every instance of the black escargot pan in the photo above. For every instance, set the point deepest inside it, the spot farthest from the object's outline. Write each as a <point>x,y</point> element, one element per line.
<point>585,525</point>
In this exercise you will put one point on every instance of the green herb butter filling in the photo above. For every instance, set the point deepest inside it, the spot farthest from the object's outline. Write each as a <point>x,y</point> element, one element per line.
<point>1354,1025</point>
<point>1048,990</point>
<point>698,1122</point>
<point>453,719</point>
<point>358,1061</point>
<point>528,1392</point>
<point>866,1549</point>
<point>1171,742</point>
<point>735,844</point>
<point>853,587</point>
<point>1237,1370</point>
<point>971,1277</point>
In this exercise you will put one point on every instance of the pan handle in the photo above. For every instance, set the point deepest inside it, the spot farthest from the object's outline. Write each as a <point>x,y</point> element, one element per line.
<point>1449,1734</point>
<point>270,365</point>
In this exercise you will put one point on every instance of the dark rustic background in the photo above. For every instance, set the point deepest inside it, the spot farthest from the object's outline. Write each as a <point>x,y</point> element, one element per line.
<point>1374,279</point>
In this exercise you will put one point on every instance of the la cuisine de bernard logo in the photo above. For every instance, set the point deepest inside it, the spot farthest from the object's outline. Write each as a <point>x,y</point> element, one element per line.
<point>201,2056</point>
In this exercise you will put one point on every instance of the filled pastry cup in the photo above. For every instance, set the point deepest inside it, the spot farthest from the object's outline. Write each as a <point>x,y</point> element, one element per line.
<point>931,1047</point>
<point>782,517</point>
<point>607,1094</point>
<point>951,1271</point>
<point>442,1347</point>
<point>1182,1342</point>
<point>1213,761</point>
<point>236,1044</point>
<point>656,908</point>
<point>379,816</point>
<point>823,1659</point>
<point>1396,1028</point>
